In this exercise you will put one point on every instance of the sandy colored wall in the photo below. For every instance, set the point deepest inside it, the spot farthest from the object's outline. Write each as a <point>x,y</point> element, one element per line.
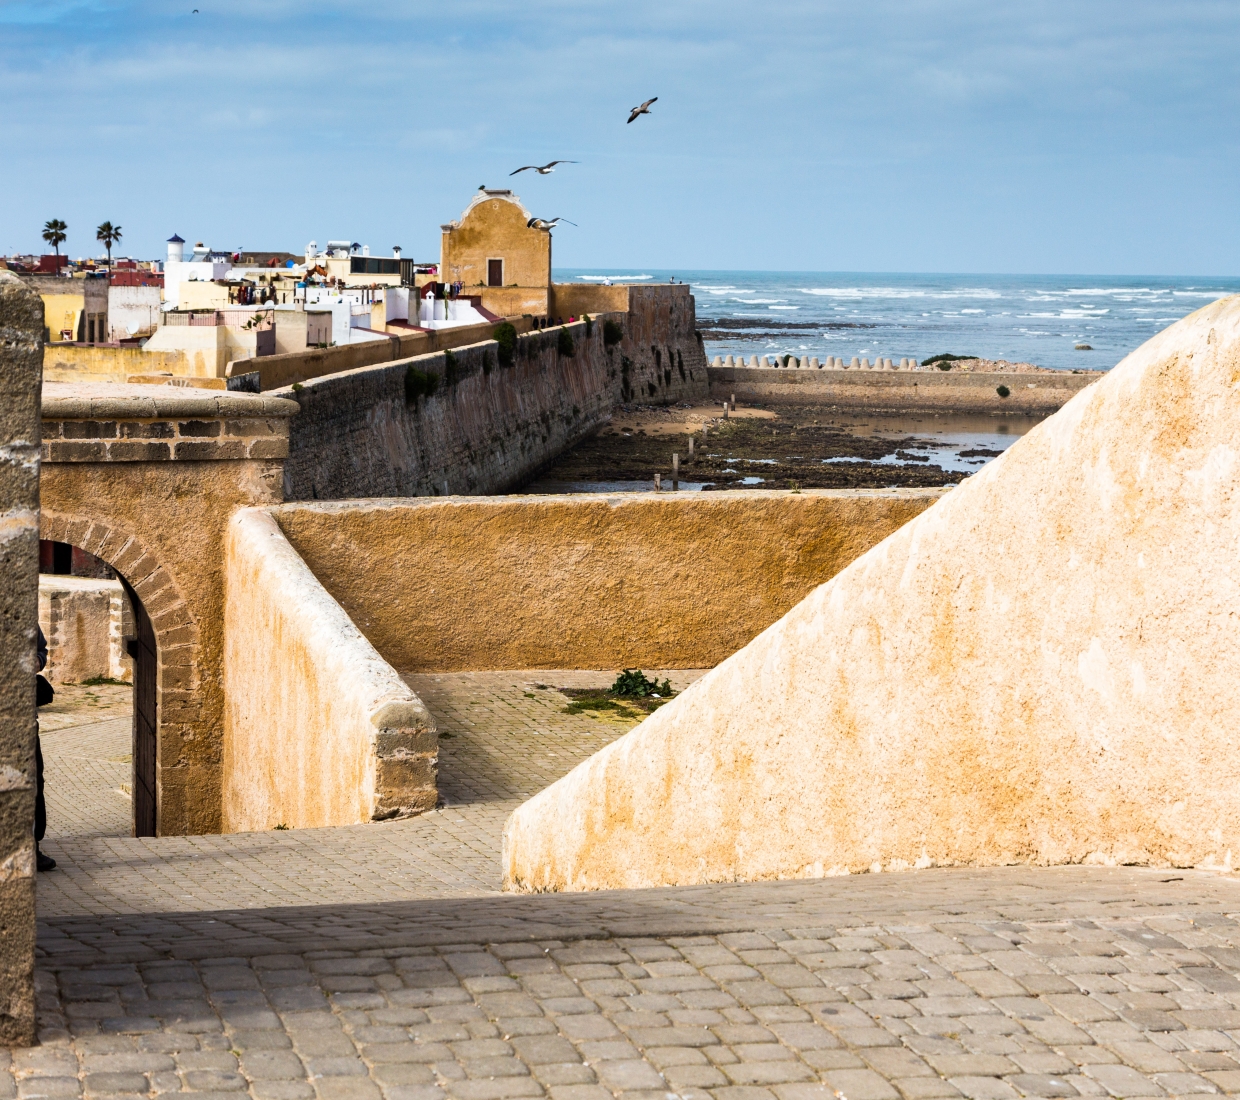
<point>85,622</point>
<point>318,729</point>
<point>146,478</point>
<point>21,359</point>
<point>495,228</point>
<point>82,362</point>
<point>1040,668</point>
<point>662,581</point>
<point>575,299</point>
<point>901,391</point>
<point>486,429</point>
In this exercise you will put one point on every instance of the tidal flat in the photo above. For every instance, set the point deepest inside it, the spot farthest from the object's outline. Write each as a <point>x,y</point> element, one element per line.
<point>777,447</point>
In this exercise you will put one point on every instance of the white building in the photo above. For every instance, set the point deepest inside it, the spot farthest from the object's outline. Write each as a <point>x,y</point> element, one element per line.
<point>203,266</point>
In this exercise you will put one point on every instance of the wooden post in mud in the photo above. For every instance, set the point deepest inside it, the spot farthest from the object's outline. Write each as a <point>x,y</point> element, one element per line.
<point>734,402</point>
<point>691,444</point>
<point>658,483</point>
<point>675,472</point>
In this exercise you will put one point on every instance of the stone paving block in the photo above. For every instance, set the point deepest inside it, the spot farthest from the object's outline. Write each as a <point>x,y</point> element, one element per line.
<point>860,1084</point>
<point>984,1088</point>
<point>504,1088</point>
<point>1041,1084</point>
<point>925,1088</point>
<point>1123,1081</point>
<point>346,1088</point>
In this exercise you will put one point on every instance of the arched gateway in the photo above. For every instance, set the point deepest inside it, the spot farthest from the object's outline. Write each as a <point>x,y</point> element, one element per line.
<point>145,478</point>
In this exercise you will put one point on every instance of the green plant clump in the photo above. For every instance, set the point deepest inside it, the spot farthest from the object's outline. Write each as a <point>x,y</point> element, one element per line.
<point>612,333</point>
<point>589,325</point>
<point>451,369</point>
<point>419,384</point>
<point>564,343</point>
<point>1003,391</point>
<point>632,683</point>
<point>945,361</point>
<point>505,337</point>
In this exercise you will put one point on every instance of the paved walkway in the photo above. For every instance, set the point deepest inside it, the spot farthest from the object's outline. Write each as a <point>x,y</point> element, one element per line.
<point>380,963</point>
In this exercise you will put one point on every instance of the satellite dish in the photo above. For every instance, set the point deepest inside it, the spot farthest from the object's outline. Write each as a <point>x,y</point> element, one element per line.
<point>133,328</point>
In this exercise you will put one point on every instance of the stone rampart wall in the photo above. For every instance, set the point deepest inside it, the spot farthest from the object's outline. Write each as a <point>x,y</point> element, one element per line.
<point>672,580</point>
<point>318,729</point>
<point>900,391</point>
<point>486,428</point>
<point>1041,668</point>
<point>21,362</point>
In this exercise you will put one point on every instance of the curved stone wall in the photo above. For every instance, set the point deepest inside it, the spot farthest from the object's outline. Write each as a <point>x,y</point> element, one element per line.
<point>1041,668</point>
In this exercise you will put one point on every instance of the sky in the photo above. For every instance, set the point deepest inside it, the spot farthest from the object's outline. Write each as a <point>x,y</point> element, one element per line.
<point>1091,136</point>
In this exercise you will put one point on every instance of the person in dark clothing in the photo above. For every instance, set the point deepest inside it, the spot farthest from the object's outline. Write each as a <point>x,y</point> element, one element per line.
<point>42,861</point>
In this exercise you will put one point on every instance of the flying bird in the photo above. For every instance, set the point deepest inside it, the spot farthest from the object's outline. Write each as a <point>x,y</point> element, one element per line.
<point>538,223</point>
<point>543,170</point>
<point>644,109</point>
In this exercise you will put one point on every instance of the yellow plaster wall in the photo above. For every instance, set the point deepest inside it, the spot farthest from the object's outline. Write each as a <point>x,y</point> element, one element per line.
<point>70,362</point>
<point>674,580</point>
<point>494,228</point>
<point>201,294</point>
<point>60,312</point>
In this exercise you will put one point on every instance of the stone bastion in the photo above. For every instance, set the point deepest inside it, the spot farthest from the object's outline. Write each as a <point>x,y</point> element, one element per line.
<point>1040,668</point>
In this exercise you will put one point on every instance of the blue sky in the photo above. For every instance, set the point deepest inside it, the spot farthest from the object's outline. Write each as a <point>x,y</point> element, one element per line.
<point>1094,136</point>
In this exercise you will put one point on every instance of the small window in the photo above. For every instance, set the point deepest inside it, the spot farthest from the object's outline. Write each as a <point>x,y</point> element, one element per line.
<point>495,272</point>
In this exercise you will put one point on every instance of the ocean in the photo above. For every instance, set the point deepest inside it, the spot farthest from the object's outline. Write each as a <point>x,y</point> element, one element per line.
<point>1022,318</point>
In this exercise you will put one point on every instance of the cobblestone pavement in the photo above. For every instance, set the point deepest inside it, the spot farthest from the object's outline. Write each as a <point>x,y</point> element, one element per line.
<point>380,963</point>
<point>505,736</point>
<point>501,735</point>
<point>88,774</point>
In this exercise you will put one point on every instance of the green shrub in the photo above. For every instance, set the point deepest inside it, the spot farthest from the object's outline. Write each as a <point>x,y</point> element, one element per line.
<point>632,683</point>
<point>945,361</point>
<point>589,325</point>
<point>1003,391</point>
<point>419,384</point>
<point>612,333</point>
<point>564,343</point>
<point>506,337</point>
<point>450,368</point>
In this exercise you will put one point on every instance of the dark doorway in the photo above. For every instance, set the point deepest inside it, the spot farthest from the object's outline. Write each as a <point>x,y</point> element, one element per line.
<point>143,650</point>
<point>495,272</point>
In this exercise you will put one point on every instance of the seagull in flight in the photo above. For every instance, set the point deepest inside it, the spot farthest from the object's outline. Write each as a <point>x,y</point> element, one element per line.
<point>644,109</point>
<point>544,169</point>
<point>538,223</point>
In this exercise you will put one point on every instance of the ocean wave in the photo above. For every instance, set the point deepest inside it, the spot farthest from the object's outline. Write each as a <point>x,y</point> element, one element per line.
<point>783,307</point>
<point>613,278</point>
<point>972,311</point>
<point>891,292</point>
<point>1212,294</point>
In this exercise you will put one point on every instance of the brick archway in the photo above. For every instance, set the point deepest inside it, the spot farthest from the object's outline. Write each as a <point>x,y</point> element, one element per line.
<point>176,632</point>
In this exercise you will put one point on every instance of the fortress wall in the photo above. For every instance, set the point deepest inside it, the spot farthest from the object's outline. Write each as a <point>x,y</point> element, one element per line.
<point>672,580</point>
<point>318,729</point>
<point>284,369</point>
<point>363,433</point>
<point>1041,668</point>
<point>21,365</point>
<point>901,391</point>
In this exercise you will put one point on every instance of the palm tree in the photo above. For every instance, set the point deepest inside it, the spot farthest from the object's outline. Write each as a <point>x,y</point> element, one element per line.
<point>54,234</point>
<point>109,235</point>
